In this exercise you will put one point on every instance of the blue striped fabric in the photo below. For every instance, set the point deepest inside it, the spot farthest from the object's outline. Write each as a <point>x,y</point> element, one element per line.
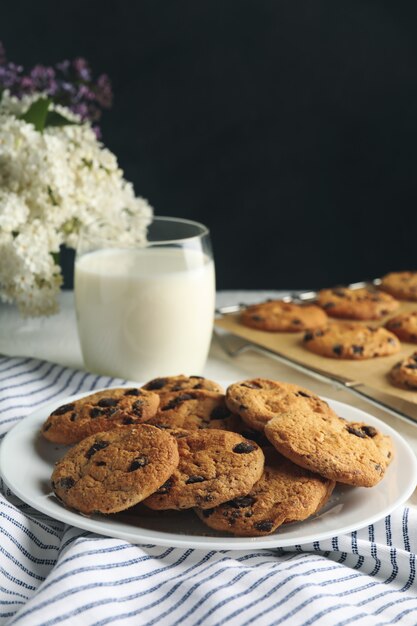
<point>55,574</point>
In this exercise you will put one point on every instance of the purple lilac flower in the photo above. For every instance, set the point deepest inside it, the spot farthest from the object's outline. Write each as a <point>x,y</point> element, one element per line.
<point>43,79</point>
<point>69,83</point>
<point>104,92</point>
<point>81,110</point>
<point>63,66</point>
<point>82,70</point>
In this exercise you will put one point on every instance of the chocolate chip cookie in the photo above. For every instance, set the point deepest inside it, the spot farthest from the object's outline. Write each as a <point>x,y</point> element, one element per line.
<point>401,285</point>
<point>353,453</point>
<point>111,471</point>
<point>404,373</point>
<point>100,411</point>
<point>366,303</point>
<point>279,316</point>
<point>258,400</point>
<point>193,410</point>
<point>350,340</point>
<point>215,466</point>
<point>284,493</point>
<point>404,326</point>
<point>169,384</point>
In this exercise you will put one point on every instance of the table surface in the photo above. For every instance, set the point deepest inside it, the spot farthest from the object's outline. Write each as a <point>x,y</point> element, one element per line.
<point>55,339</point>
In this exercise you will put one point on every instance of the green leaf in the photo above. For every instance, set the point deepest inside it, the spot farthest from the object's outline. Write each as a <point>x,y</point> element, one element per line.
<point>37,113</point>
<point>53,118</point>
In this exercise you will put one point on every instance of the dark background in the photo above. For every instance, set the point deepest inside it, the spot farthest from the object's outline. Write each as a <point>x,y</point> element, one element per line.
<point>289,127</point>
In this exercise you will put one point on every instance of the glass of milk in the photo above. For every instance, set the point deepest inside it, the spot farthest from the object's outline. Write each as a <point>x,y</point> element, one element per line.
<point>145,310</point>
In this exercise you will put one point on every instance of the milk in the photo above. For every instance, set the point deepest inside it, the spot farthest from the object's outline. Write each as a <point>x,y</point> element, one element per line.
<point>146,312</point>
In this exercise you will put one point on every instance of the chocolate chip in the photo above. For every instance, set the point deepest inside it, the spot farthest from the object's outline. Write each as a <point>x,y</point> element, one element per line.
<point>128,420</point>
<point>65,408</point>
<point>264,526</point>
<point>157,383</point>
<point>96,412</point>
<point>73,417</point>
<point>357,349</point>
<point>175,402</point>
<point>252,385</point>
<point>337,349</point>
<point>379,468</point>
<point>67,482</point>
<point>383,311</point>
<point>100,463</point>
<point>303,394</point>
<point>411,366</point>
<point>242,407</point>
<point>107,402</point>
<point>356,431</point>
<point>163,489</point>
<point>47,427</point>
<point>132,392</point>
<point>207,512</point>
<point>137,408</point>
<point>195,479</point>
<point>99,445</point>
<point>137,463</point>
<point>199,377</point>
<point>244,447</point>
<point>308,337</point>
<point>242,502</point>
<point>296,321</point>
<point>220,413</point>
<point>257,318</point>
<point>370,431</point>
<point>198,386</point>
<point>329,305</point>
<point>392,340</point>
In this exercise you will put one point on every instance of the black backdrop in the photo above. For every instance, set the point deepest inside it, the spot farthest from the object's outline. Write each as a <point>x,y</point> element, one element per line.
<point>289,127</point>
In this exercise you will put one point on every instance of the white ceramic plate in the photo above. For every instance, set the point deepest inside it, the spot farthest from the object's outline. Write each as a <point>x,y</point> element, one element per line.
<point>26,463</point>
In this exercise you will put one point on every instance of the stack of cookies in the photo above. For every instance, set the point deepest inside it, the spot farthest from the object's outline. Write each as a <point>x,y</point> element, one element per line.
<point>263,454</point>
<point>352,338</point>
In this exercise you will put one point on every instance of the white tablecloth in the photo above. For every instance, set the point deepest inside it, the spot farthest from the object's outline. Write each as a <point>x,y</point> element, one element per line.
<point>53,574</point>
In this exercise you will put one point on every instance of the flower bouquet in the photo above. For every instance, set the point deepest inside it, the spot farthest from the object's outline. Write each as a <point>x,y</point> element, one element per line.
<point>55,177</point>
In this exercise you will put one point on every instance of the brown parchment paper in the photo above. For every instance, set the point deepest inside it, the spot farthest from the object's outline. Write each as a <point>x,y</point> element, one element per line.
<point>372,372</point>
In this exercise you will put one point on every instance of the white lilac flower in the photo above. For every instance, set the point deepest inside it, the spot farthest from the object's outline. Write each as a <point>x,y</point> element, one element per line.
<point>51,184</point>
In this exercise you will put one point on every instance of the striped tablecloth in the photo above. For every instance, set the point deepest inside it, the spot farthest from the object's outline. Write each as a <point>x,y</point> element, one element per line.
<point>52,573</point>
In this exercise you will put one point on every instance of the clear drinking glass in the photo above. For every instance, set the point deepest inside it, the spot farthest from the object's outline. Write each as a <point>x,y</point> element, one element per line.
<point>145,310</point>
